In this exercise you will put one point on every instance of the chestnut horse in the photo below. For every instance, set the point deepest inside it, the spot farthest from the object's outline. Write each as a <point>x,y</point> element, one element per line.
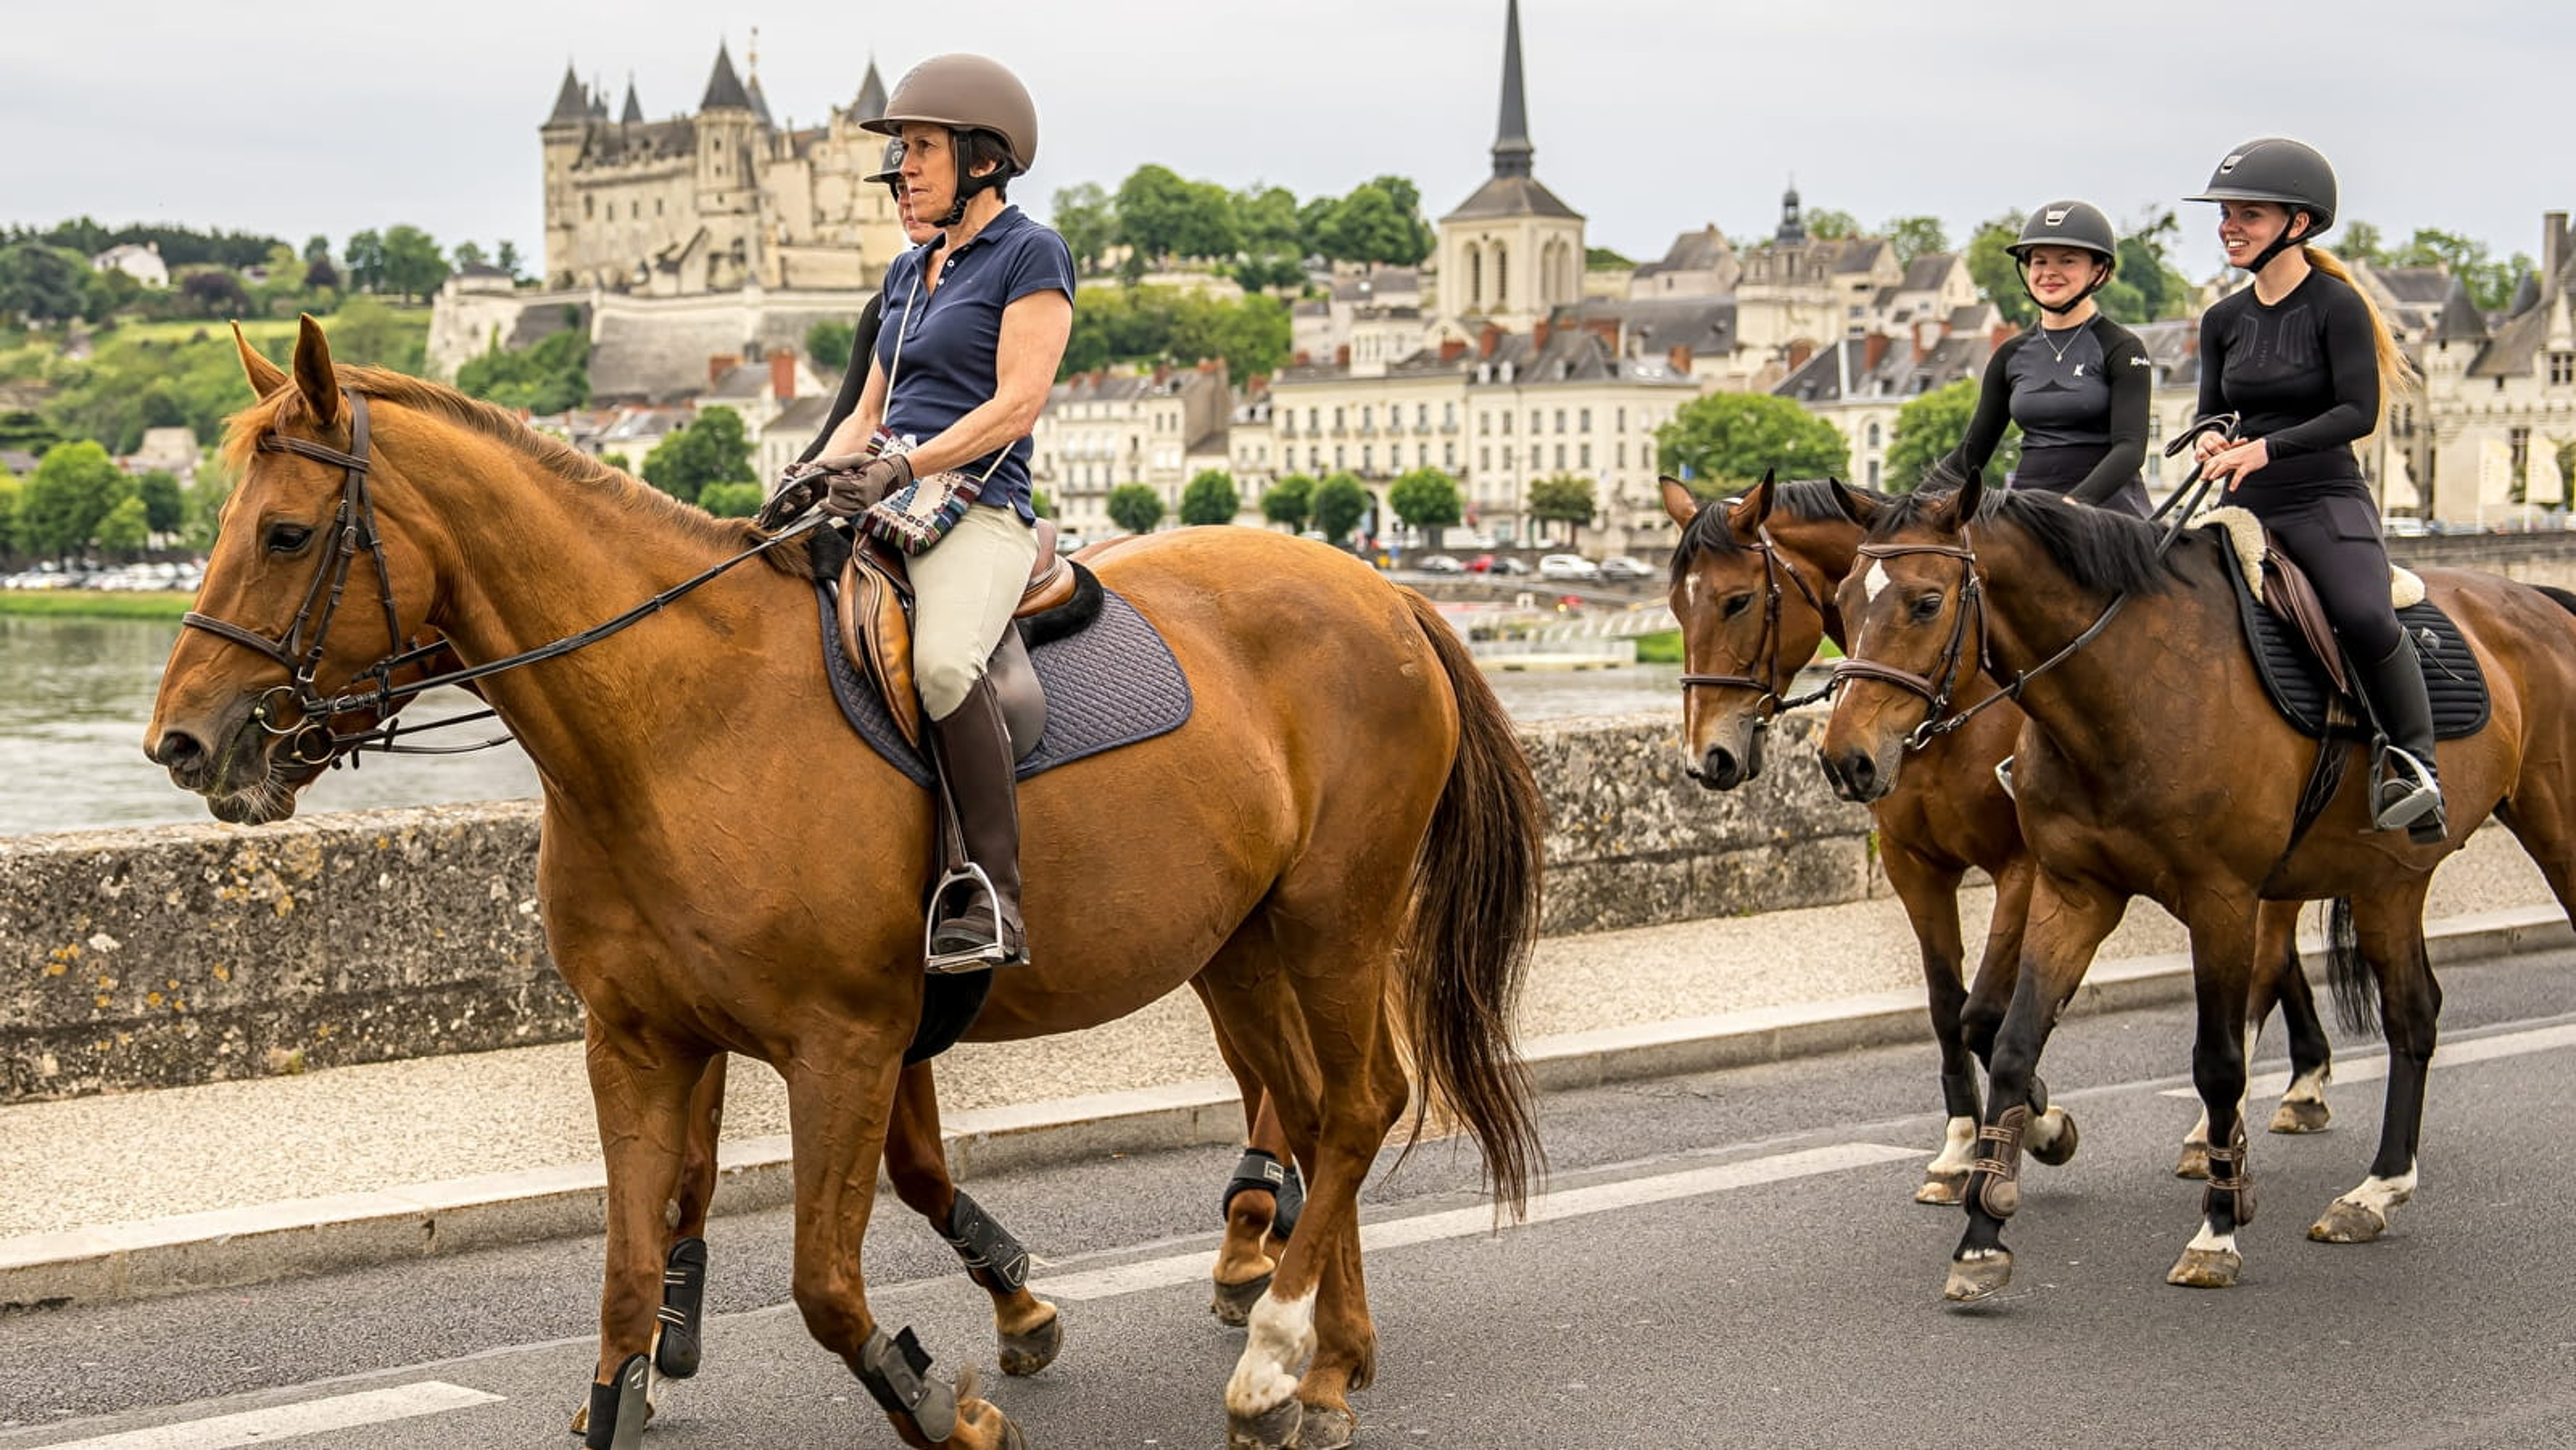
<point>1753,585</point>
<point>1345,820</point>
<point>2156,767</point>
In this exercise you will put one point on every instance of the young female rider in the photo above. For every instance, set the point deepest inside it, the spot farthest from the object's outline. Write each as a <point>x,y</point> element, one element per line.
<point>2077,384</point>
<point>863,339</point>
<point>981,321</point>
<point>2308,361</point>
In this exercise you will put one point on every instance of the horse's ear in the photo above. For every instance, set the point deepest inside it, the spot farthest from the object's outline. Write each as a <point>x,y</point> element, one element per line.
<point>265,377</point>
<point>313,375</point>
<point>1857,507</point>
<point>1971,497</point>
<point>1680,504</point>
<point>1754,507</point>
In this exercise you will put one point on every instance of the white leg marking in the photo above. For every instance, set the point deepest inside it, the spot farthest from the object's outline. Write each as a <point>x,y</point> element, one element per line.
<point>2044,1129</point>
<point>2216,1243</point>
<point>2380,1195</point>
<point>1874,580</point>
<point>1283,1335</point>
<point>2309,1086</point>
<point>1958,1150</point>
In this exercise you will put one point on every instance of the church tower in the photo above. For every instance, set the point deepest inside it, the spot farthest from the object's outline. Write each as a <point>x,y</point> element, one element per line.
<point>1512,252</point>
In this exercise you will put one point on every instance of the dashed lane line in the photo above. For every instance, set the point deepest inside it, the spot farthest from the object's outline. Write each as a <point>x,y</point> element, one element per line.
<point>2445,1054</point>
<point>285,1422</point>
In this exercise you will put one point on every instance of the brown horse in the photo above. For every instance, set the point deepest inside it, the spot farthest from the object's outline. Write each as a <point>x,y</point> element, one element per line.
<point>723,869</point>
<point>1753,585</point>
<point>2157,767</point>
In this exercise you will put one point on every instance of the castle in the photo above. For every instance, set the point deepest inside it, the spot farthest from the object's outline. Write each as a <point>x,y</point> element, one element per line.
<point>711,202</point>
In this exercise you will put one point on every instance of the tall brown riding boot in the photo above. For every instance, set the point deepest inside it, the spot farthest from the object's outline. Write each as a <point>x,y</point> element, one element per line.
<point>973,753</point>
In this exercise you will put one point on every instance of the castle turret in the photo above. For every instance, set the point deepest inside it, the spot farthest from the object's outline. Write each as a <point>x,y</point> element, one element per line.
<point>560,136</point>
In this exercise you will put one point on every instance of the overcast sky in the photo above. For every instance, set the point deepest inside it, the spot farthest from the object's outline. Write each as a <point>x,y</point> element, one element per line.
<point>1650,116</point>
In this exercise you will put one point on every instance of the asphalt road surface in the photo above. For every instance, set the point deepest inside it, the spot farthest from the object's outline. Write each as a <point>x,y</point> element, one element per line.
<point>1722,1260</point>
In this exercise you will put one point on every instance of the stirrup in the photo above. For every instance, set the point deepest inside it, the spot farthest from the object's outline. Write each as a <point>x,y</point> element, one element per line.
<point>2422,800</point>
<point>2003,777</point>
<point>977,958</point>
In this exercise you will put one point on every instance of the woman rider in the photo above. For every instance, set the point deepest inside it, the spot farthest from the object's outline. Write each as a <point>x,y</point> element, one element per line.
<point>2077,384</point>
<point>2309,362</point>
<point>980,318</point>
<point>863,340</point>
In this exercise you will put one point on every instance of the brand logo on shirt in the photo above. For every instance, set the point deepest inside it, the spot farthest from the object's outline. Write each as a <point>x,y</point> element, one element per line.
<point>2079,370</point>
<point>2137,362</point>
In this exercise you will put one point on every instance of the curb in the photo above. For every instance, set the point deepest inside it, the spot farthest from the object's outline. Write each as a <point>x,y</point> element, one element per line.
<point>234,1246</point>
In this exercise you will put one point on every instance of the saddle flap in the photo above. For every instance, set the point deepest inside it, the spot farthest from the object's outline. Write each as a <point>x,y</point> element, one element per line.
<point>2289,595</point>
<point>876,631</point>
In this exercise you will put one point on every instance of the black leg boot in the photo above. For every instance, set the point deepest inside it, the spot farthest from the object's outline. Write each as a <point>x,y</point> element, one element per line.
<point>970,927</point>
<point>2408,799</point>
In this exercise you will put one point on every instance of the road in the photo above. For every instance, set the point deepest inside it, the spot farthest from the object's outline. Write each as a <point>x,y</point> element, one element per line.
<point>1725,1260</point>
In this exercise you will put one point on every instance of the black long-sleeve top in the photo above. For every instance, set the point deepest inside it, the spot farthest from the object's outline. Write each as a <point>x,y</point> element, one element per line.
<point>863,346</point>
<point>2079,388</point>
<point>2303,371</point>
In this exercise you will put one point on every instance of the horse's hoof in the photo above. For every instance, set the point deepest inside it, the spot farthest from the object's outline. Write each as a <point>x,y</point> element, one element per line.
<point>1327,1427</point>
<point>2308,1115</point>
<point>1034,1350</point>
<point>1232,1303</point>
<point>2348,1223</point>
<point>1275,1428</point>
<point>1978,1279</point>
<point>2058,1151</point>
<point>2194,1162</point>
<point>2206,1269</point>
<point>1946,1190</point>
<point>983,1418</point>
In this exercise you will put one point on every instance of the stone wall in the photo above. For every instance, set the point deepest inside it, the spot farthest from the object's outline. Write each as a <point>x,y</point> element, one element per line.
<point>178,954</point>
<point>2536,558</point>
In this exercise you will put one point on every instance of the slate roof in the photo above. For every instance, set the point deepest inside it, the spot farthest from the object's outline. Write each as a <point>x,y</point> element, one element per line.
<point>724,87</point>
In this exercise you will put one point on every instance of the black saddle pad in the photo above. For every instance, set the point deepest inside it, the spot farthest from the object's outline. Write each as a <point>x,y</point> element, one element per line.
<point>1111,683</point>
<point>2297,682</point>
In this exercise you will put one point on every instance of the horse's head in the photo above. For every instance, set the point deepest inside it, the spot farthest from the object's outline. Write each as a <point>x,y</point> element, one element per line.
<point>1752,615</point>
<point>300,600</point>
<point>1912,608</point>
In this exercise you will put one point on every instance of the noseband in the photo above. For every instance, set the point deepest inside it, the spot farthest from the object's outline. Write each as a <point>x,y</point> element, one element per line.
<point>1766,653</point>
<point>1936,694</point>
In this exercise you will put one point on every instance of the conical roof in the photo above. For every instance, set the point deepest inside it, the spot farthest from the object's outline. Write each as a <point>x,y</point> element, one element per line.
<point>871,103</point>
<point>572,106</point>
<point>2526,295</point>
<point>724,87</point>
<point>633,111</point>
<point>2461,321</point>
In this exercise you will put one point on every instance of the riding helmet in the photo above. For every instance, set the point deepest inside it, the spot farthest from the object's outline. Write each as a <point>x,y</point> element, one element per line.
<point>966,93</point>
<point>2277,169</point>
<point>2078,224</point>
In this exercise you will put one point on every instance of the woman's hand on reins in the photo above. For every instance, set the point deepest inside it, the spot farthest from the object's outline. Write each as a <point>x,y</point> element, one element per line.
<point>2236,462</point>
<point>849,492</point>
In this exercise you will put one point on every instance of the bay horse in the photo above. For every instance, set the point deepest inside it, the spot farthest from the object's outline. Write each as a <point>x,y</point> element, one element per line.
<point>1753,581</point>
<point>2157,767</point>
<point>1345,820</point>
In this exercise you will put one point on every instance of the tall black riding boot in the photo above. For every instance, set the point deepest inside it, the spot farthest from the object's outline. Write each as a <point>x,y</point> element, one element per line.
<point>2409,799</point>
<point>970,926</point>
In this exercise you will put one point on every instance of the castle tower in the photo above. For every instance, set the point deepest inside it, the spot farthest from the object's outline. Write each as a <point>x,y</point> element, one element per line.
<point>560,136</point>
<point>728,187</point>
<point>1512,252</point>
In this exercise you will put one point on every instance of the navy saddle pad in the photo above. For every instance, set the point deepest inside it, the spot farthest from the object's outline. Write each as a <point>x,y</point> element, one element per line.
<point>1111,683</point>
<point>2298,685</point>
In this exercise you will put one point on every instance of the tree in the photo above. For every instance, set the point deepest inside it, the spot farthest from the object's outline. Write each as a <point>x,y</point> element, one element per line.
<point>216,293</point>
<point>9,490</point>
<point>1168,324</point>
<point>1210,498</point>
<point>507,258</point>
<point>2161,290</point>
<point>1340,503</point>
<point>1373,225</point>
<point>1931,425</point>
<point>1161,215</point>
<point>124,530</point>
<point>321,276</point>
<point>549,377</point>
<point>1289,502</point>
<point>2362,242</point>
<point>39,283</point>
<point>1916,236</point>
<point>1274,254</point>
<point>2490,281</point>
<point>1603,259</point>
<point>367,331</point>
<point>1736,437</point>
<point>413,266</point>
<point>1087,220</point>
<point>469,254</point>
<point>712,449</point>
<point>829,341</point>
<point>72,489</point>
<point>731,500</point>
<point>1994,271</point>
<point>366,257</point>
<point>1041,503</point>
<point>1135,508</point>
<point>1426,499</point>
<point>317,248</point>
<point>1832,226</point>
<point>164,505</point>
<point>2567,471</point>
<point>1562,498</point>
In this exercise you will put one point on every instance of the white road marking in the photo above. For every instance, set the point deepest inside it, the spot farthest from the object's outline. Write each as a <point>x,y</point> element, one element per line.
<point>2446,1054</point>
<point>285,1422</point>
<point>1192,1268</point>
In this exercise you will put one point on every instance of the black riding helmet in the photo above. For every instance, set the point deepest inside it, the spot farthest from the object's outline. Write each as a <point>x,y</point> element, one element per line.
<point>889,170</point>
<point>2275,169</point>
<point>2078,224</point>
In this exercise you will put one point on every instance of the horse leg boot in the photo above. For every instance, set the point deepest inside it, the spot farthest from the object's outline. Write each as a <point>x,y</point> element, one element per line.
<point>2406,797</point>
<point>975,928</point>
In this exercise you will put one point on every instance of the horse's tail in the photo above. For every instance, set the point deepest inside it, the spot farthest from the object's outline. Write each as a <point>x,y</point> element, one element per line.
<point>2564,599</point>
<point>1473,919</point>
<point>2356,989</point>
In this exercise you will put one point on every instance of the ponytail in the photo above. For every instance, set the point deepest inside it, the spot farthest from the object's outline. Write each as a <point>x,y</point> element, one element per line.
<point>2397,375</point>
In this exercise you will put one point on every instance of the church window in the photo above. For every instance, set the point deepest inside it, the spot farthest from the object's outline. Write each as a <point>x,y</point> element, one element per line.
<point>1502,276</point>
<point>1873,435</point>
<point>1475,278</point>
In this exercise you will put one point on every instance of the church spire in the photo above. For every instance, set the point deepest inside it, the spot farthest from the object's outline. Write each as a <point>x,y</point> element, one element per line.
<point>1512,149</point>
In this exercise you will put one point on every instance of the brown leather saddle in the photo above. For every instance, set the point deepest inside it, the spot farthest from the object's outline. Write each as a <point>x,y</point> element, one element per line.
<point>875,620</point>
<point>2293,600</point>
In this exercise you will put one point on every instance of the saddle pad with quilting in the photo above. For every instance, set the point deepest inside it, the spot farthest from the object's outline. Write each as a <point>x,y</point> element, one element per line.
<point>2297,683</point>
<point>1112,683</point>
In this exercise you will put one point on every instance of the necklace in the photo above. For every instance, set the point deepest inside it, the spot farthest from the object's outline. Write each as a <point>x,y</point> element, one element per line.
<point>2072,333</point>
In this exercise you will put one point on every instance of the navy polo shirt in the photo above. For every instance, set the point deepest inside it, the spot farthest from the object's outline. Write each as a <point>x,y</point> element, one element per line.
<point>951,335</point>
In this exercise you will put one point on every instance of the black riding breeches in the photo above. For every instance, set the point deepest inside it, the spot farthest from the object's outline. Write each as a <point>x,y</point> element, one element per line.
<point>2333,533</point>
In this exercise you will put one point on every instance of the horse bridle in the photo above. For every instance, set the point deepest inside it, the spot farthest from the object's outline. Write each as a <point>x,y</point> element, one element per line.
<point>312,742</point>
<point>1936,694</point>
<point>1766,651</point>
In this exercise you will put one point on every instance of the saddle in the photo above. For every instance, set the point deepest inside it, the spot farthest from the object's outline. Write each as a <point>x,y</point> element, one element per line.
<point>875,623</point>
<point>2301,663</point>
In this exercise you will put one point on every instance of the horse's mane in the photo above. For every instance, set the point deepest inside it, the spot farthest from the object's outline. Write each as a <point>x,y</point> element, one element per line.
<point>285,406</point>
<point>2099,549</point>
<point>1803,498</point>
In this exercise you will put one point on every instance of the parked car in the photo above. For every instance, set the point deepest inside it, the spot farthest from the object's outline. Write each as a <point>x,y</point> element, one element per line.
<point>1439,564</point>
<point>1496,564</point>
<point>1567,566</point>
<point>1622,567</point>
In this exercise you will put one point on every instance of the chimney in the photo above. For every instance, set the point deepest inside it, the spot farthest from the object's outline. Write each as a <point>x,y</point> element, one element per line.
<point>1606,329</point>
<point>719,364</point>
<point>1342,356</point>
<point>1679,355</point>
<point>1874,349</point>
<point>1488,340</point>
<point>2553,248</point>
<point>782,375</point>
<point>1799,352</point>
<point>1452,348</point>
<point>1209,364</point>
<point>1162,373</point>
<point>1539,331</point>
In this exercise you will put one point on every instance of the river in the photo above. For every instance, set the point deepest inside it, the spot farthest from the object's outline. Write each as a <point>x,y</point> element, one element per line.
<point>75,695</point>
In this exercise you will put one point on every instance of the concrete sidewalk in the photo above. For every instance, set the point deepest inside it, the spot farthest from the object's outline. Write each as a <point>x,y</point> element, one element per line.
<point>232,1182</point>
